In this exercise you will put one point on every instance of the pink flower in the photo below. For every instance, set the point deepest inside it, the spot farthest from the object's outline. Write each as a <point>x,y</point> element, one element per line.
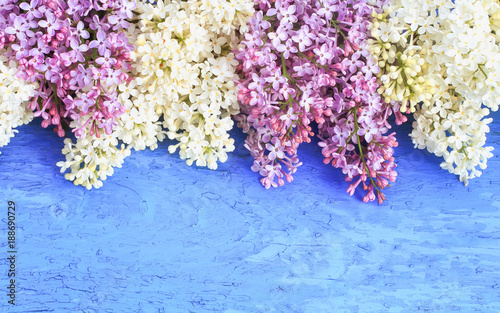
<point>275,148</point>
<point>310,71</point>
<point>50,23</point>
<point>288,118</point>
<point>323,54</point>
<point>106,61</point>
<point>287,48</point>
<point>276,79</point>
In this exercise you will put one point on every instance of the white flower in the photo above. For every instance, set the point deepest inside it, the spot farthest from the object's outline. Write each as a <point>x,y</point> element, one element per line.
<point>185,72</point>
<point>92,159</point>
<point>448,63</point>
<point>14,99</point>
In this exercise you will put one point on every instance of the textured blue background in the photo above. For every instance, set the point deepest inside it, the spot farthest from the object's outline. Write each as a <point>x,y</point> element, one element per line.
<point>164,237</point>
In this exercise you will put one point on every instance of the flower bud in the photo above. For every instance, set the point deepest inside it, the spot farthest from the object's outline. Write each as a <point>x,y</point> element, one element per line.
<point>60,36</point>
<point>58,13</point>
<point>56,119</point>
<point>46,38</point>
<point>45,123</point>
<point>52,5</point>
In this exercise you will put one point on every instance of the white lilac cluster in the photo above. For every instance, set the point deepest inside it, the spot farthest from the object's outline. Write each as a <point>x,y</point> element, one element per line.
<point>185,72</point>
<point>15,94</point>
<point>92,159</point>
<point>441,60</point>
<point>181,87</point>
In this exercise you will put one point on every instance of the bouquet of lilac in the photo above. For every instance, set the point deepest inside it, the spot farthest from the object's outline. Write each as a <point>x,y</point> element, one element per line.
<point>123,75</point>
<point>305,61</point>
<point>181,86</point>
<point>76,52</point>
<point>440,60</point>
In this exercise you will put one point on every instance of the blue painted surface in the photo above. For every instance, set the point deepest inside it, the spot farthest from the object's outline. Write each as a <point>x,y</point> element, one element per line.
<point>164,237</point>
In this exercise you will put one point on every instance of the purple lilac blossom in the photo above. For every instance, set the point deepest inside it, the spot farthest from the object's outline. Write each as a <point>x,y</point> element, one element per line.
<point>62,45</point>
<point>306,61</point>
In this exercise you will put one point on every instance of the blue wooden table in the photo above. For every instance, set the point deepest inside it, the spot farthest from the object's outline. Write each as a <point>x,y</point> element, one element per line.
<point>164,237</point>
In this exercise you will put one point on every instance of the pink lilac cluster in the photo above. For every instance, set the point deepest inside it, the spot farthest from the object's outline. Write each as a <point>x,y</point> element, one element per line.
<point>306,61</point>
<point>78,53</point>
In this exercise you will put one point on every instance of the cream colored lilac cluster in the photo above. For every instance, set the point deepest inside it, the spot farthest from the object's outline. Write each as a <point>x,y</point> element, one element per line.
<point>181,88</point>
<point>441,60</point>
<point>92,159</point>
<point>185,72</point>
<point>15,94</point>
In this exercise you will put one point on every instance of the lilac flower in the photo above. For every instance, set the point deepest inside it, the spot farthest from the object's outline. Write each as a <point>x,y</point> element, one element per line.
<point>74,8</point>
<point>309,71</point>
<point>108,126</point>
<point>287,16</point>
<point>79,50</point>
<point>265,56</point>
<point>118,21</point>
<point>288,118</point>
<point>53,73</point>
<point>266,133</point>
<point>20,28</point>
<point>327,10</point>
<point>286,91</point>
<point>40,49</point>
<point>287,48</point>
<point>277,37</point>
<point>37,62</point>
<point>323,54</point>
<point>51,41</point>
<point>353,63</point>
<point>276,149</point>
<point>100,43</point>
<point>80,31</point>
<point>259,22</point>
<point>276,79</point>
<point>113,77</point>
<point>106,61</point>
<point>307,100</point>
<point>21,50</point>
<point>80,77</point>
<point>96,24</point>
<point>6,5</point>
<point>271,172</point>
<point>84,103</point>
<point>370,68</point>
<point>257,83</point>
<point>99,74</point>
<point>112,103</point>
<point>67,58</point>
<point>368,132</point>
<point>50,23</point>
<point>253,40</point>
<point>303,69</point>
<point>256,98</point>
<point>32,9</point>
<point>303,38</point>
<point>106,4</point>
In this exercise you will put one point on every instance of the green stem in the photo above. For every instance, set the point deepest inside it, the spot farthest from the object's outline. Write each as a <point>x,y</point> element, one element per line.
<point>283,66</point>
<point>481,68</point>
<point>361,154</point>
